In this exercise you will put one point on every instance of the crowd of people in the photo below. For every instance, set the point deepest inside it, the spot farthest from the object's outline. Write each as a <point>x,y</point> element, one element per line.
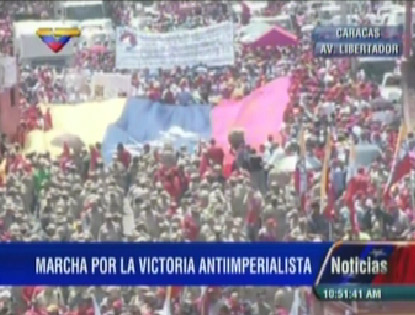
<point>191,85</point>
<point>179,195</point>
<point>180,86</point>
<point>77,198</point>
<point>253,68</point>
<point>9,11</point>
<point>169,16</point>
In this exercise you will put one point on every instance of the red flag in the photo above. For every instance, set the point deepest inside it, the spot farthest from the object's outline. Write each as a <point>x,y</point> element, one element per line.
<point>48,123</point>
<point>401,270</point>
<point>403,131</point>
<point>403,167</point>
<point>331,199</point>
<point>349,200</point>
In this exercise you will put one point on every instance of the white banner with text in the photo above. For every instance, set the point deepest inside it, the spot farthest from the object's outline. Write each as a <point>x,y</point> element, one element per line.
<point>210,46</point>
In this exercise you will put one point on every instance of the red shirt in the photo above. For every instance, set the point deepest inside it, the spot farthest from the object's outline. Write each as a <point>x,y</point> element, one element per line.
<point>171,189</point>
<point>28,293</point>
<point>15,164</point>
<point>204,163</point>
<point>124,157</point>
<point>252,215</point>
<point>169,98</point>
<point>160,174</point>
<point>319,153</point>
<point>215,154</point>
<point>405,200</point>
<point>190,228</point>
<point>95,154</point>
<point>235,307</point>
<point>154,94</point>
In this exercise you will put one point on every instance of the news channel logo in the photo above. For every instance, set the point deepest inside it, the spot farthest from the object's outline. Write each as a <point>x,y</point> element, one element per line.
<point>56,39</point>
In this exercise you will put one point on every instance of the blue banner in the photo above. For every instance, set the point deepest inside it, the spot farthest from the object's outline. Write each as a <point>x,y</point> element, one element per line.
<point>182,264</point>
<point>144,121</point>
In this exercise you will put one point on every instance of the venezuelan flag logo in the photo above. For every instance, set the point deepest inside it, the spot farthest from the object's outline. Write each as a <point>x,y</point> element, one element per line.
<point>57,38</point>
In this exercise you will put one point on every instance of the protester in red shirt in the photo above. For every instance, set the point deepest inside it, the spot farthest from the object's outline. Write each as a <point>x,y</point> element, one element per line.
<point>31,116</point>
<point>15,161</point>
<point>21,134</point>
<point>235,306</point>
<point>29,294</point>
<point>171,211</point>
<point>190,228</point>
<point>168,97</point>
<point>123,155</point>
<point>170,185</point>
<point>182,179</point>
<point>159,175</point>
<point>94,158</point>
<point>252,218</point>
<point>215,153</point>
<point>204,162</point>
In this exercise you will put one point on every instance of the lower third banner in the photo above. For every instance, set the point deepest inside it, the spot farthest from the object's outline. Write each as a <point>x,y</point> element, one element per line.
<point>217,264</point>
<point>265,264</point>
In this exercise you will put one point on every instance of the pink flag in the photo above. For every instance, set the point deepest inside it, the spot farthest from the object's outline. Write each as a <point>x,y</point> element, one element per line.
<point>260,114</point>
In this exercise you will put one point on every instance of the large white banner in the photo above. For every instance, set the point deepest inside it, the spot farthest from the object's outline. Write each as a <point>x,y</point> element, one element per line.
<point>8,73</point>
<point>211,46</point>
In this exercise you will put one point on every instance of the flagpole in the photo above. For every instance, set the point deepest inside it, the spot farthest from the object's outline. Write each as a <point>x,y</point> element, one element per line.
<point>331,237</point>
<point>413,191</point>
<point>302,167</point>
<point>401,135</point>
<point>203,310</point>
<point>167,302</point>
<point>331,230</point>
<point>407,55</point>
<point>324,178</point>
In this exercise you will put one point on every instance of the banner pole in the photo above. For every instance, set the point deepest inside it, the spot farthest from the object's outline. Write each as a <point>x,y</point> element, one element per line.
<point>413,191</point>
<point>331,230</point>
